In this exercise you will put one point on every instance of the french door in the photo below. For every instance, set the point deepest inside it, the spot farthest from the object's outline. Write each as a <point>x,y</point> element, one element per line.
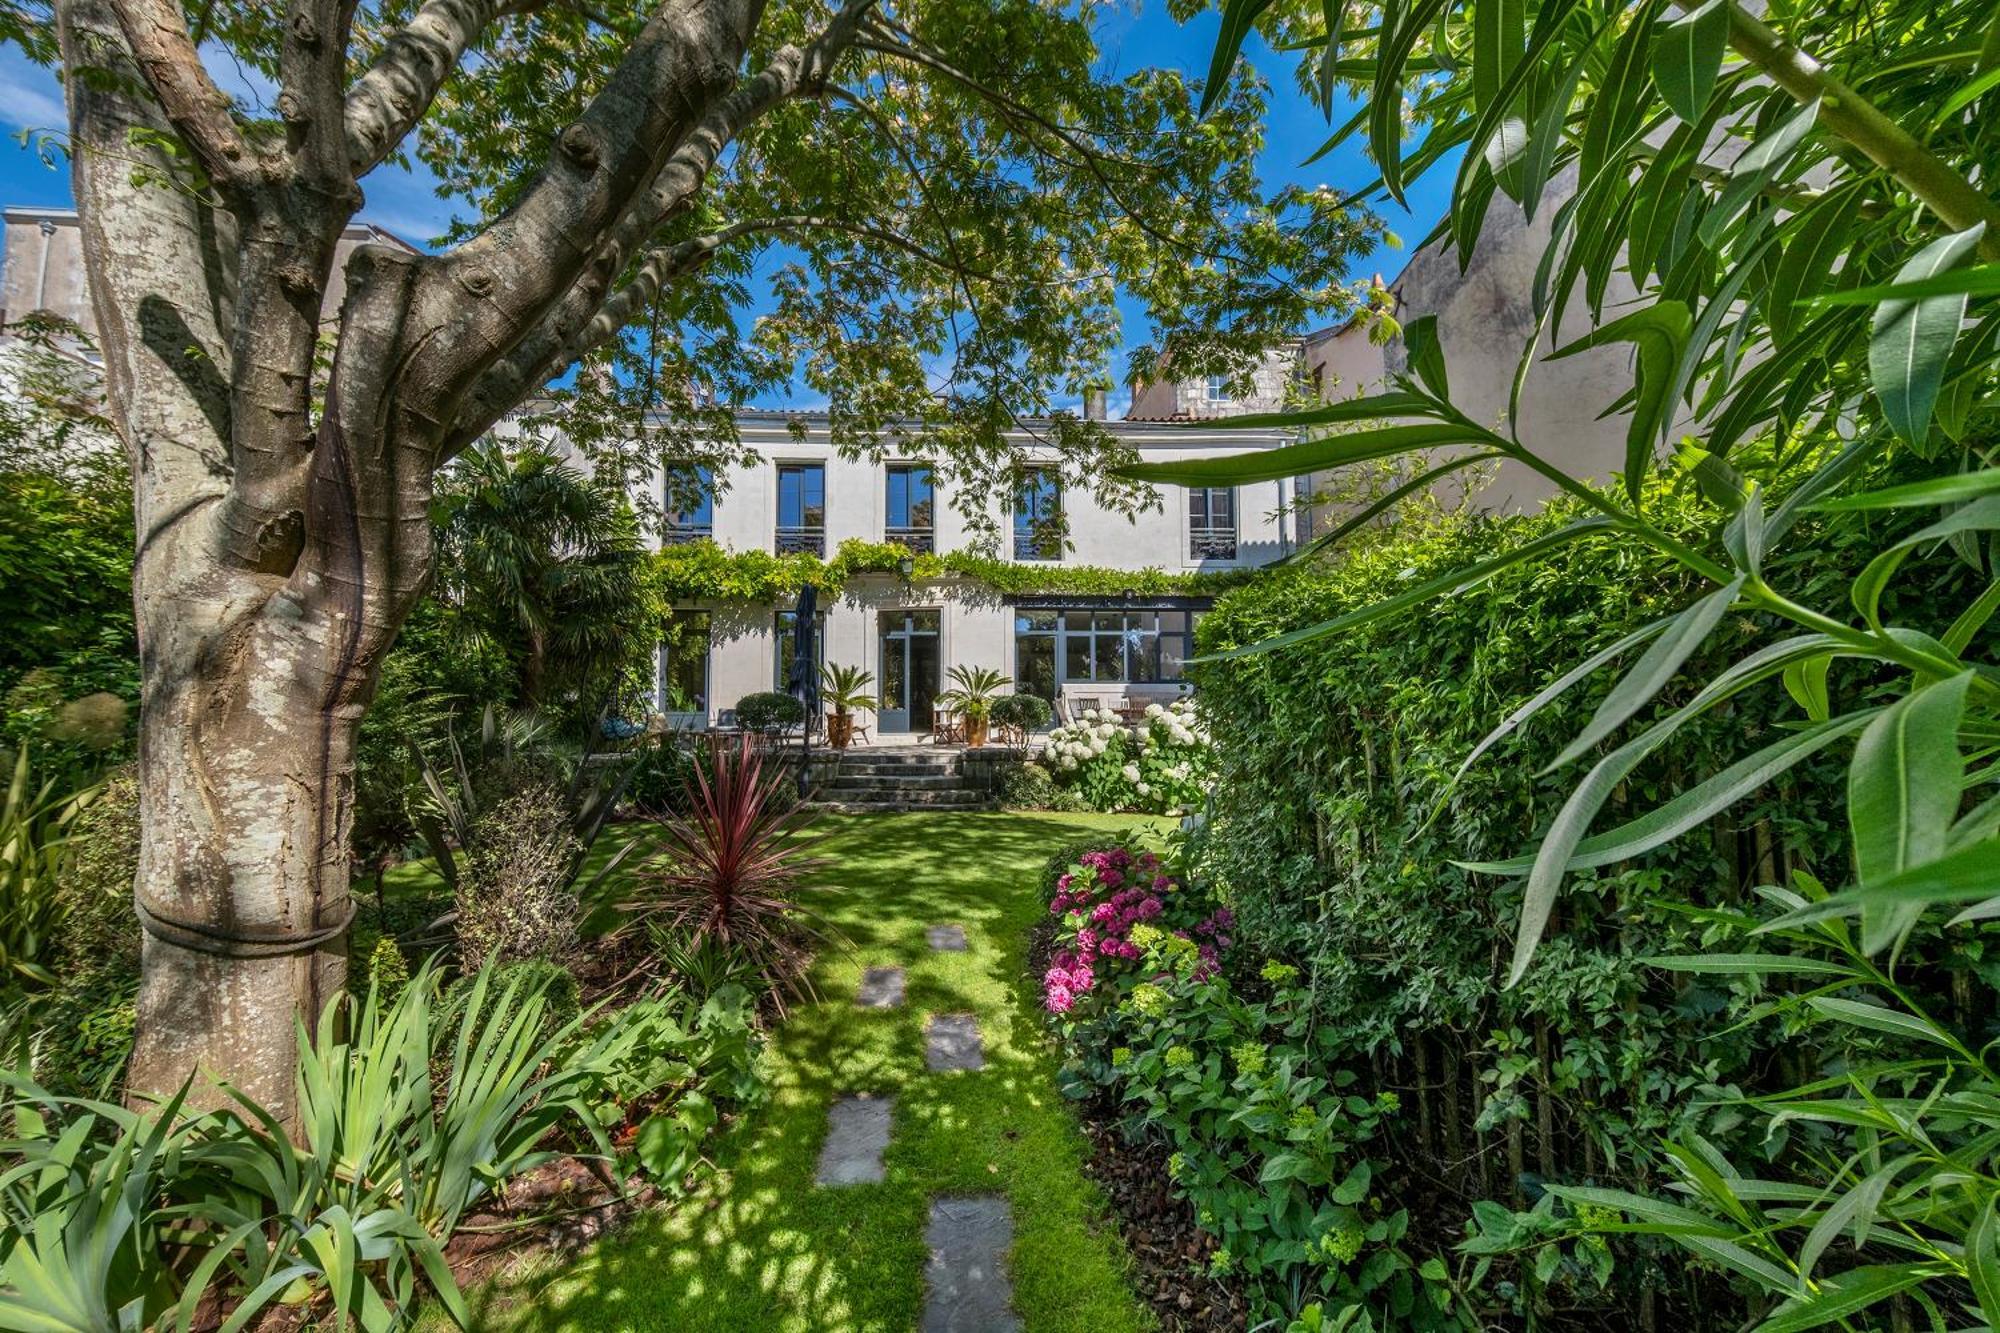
<point>911,670</point>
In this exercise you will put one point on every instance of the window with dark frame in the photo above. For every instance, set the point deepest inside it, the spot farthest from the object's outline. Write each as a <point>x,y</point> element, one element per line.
<point>910,514</point>
<point>684,680</point>
<point>787,637</point>
<point>1211,522</point>
<point>1038,524</point>
<point>801,509</point>
<point>1140,645</point>
<point>683,522</point>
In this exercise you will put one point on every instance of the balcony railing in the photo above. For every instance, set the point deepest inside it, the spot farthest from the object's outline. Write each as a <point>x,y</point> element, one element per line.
<point>680,534</point>
<point>808,541</point>
<point>920,541</point>
<point>1036,546</point>
<point>1209,543</point>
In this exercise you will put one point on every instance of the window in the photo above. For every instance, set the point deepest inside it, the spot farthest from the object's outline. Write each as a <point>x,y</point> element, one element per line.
<point>1038,520</point>
<point>1211,522</point>
<point>1143,646</point>
<point>1215,389</point>
<point>787,637</point>
<point>909,513</point>
<point>801,508</point>
<point>689,505</point>
<point>684,664</point>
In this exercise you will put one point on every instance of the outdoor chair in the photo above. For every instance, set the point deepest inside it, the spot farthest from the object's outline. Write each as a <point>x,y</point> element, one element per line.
<point>947,728</point>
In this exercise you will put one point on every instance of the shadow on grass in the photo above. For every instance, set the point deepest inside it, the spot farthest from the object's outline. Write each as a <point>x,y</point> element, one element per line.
<point>760,1246</point>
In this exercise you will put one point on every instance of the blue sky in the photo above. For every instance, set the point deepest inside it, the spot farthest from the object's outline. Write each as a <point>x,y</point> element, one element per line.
<point>1131,36</point>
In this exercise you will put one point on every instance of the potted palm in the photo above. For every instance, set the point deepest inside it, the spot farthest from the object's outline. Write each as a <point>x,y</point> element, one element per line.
<point>972,695</point>
<point>847,690</point>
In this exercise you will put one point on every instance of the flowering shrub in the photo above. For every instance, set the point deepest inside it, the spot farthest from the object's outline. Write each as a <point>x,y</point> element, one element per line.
<point>1109,903</point>
<point>1161,768</point>
<point>1272,1156</point>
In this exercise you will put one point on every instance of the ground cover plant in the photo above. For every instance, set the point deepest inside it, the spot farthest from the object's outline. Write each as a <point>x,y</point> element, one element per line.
<point>758,1245</point>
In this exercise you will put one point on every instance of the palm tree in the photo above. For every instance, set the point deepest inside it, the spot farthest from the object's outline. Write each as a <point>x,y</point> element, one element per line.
<point>548,561</point>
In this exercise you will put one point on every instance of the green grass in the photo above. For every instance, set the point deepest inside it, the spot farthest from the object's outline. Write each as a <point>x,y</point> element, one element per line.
<point>761,1247</point>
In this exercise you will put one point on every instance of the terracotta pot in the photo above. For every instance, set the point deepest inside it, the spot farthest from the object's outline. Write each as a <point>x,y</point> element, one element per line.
<point>839,729</point>
<point>975,732</point>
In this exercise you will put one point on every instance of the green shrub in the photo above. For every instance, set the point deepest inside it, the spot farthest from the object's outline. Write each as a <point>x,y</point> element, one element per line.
<point>516,899</point>
<point>100,933</point>
<point>1342,828</point>
<point>388,970</point>
<point>1161,767</point>
<point>768,710</point>
<point>1029,786</point>
<point>1021,712</point>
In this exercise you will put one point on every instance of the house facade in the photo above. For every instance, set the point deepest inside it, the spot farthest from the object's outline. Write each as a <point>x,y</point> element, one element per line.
<point>908,631</point>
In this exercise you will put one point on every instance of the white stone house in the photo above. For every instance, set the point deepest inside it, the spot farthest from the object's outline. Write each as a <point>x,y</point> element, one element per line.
<point>1108,647</point>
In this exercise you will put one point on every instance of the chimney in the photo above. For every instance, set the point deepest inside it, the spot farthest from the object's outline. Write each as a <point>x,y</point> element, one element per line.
<point>1094,404</point>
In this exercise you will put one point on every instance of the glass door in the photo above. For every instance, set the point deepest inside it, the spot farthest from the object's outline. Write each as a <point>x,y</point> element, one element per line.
<point>910,675</point>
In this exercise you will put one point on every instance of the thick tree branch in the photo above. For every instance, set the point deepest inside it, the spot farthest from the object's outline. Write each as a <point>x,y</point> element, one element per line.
<point>388,100</point>
<point>549,347</point>
<point>166,56</point>
<point>1844,112</point>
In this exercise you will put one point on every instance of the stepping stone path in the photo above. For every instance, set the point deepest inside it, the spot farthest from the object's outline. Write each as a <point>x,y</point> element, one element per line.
<point>857,1133</point>
<point>881,988</point>
<point>952,1042</point>
<point>966,1288</point>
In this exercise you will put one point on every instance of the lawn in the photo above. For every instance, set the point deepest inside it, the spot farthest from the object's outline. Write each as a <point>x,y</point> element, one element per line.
<point>760,1246</point>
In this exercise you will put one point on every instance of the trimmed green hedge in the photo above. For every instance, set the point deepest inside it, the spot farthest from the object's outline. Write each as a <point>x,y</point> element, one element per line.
<point>1339,824</point>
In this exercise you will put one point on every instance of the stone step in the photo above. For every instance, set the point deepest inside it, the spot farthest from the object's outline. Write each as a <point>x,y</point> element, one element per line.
<point>896,807</point>
<point>857,1133</point>
<point>873,764</point>
<point>966,1286</point>
<point>878,795</point>
<point>952,1042</point>
<point>896,782</point>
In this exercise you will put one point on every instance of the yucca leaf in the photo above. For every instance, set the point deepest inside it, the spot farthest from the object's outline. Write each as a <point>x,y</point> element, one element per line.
<point>1312,456</point>
<point>1903,793</point>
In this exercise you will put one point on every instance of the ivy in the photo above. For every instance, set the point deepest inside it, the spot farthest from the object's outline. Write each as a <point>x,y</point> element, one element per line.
<point>704,571</point>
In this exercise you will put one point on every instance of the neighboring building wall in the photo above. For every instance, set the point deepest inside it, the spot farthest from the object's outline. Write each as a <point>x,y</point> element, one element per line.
<point>1485,316</point>
<point>1173,400</point>
<point>44,266</point>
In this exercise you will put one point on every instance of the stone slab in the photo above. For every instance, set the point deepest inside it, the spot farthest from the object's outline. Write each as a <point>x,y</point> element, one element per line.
<point>857,1132</point>
<point>881,988</point>
<point>946,939</point>
<point>952,1042</point>
<point>965,1284</point>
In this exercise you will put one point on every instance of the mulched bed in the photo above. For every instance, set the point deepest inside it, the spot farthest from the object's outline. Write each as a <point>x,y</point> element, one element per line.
<point>1170,1253</point>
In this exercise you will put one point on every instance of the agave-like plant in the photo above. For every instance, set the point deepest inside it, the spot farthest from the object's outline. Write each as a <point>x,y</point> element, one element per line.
<point>733,865</point>
<point>112,1220</point>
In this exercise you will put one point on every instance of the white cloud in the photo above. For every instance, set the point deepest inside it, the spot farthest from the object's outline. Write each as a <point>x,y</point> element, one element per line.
<point>30,97</point>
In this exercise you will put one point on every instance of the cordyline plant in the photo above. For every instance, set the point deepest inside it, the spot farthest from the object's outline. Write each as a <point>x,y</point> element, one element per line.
<point>955,182</point>
<point>1801,196</point>
<point>731,868</point>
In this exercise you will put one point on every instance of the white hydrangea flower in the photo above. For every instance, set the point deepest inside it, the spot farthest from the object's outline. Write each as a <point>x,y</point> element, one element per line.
<point>1131,772</point>
<point>1154,710</point>
<point>1145,789</point>
<point>1097,745</point>
<point>1069,762</point>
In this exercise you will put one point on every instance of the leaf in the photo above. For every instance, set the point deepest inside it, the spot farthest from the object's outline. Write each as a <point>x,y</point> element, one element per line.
<point>1455,581</point>
<point>1904,783</point>
<point>1875,1018</point>
<point>1354,1187</point>
<point>1370,407</point>
<point>1556,688</point>
<point>1756,170</point>
<point>1295,460</point>
<point>1335,13</point>
<point>1819,240</point>
<point>1979,280</point>
<point>1838,1297</point>
<point>1982,1263</point>
<point>1866,590</point>
<point>1857,1207</point>
<point>1659,664</point>
<point>1911,338</point>
<point>1694,806</point>
<point>1420,337</point>
<point>1238,17</point>
<point>1382,504</point>
<point>1746,964</point>
<point>1658,332</point>
<point>1934,491</point>
<point>1806,683</point>
<point>1687,55</point>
